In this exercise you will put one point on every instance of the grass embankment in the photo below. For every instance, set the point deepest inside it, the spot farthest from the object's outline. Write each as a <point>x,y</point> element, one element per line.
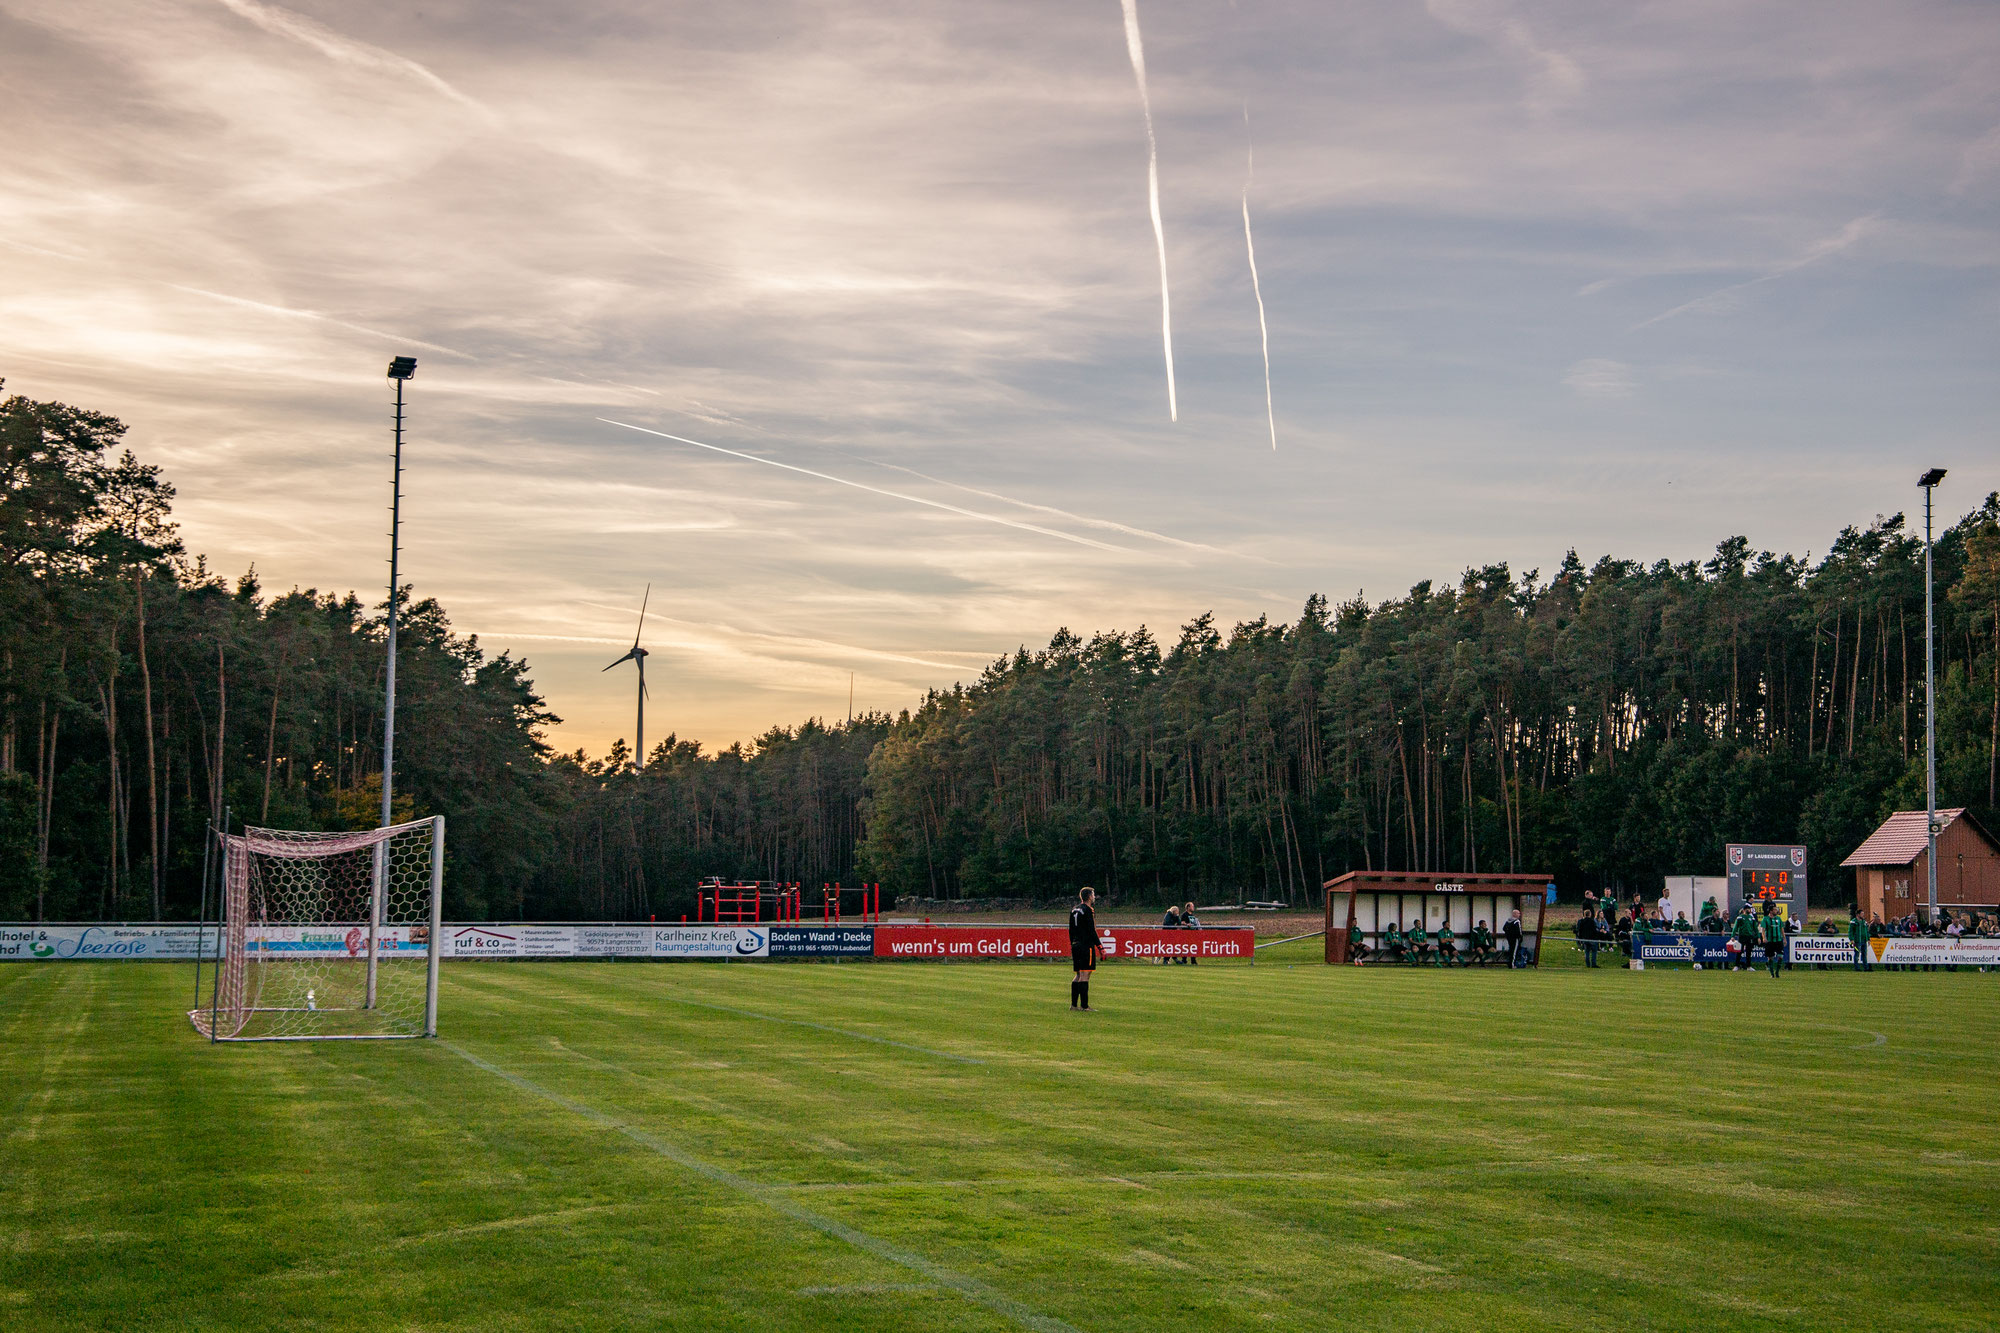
<point>693,1146</point>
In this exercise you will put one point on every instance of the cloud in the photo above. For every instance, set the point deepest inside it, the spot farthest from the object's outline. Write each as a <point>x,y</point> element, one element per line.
<point>1554,78</point>
<point>1597,377</point>
<point>905,232</point>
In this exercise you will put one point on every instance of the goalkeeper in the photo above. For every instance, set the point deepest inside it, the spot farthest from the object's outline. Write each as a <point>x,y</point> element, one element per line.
<point>1083,948</point>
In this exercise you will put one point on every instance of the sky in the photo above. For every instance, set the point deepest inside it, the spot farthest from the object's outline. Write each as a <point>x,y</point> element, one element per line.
<point>1539,275</point>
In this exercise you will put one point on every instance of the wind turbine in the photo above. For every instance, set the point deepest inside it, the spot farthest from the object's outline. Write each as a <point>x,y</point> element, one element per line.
<point>638,654</point>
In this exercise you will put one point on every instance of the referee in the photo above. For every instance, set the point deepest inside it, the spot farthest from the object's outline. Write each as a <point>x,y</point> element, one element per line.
<point>1083,947</point>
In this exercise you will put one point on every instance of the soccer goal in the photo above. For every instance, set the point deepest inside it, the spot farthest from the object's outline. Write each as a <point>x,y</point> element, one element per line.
<point>327,935</point>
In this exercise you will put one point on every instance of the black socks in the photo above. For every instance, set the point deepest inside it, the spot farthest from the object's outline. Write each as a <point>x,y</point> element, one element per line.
<point>1084,987</point>
<point>1075,993</point>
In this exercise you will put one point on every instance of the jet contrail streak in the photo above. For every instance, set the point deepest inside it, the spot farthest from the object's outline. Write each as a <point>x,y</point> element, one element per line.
<point>1086,519</point>
<point>1250,244</point>
<point>875,490</point>
<point>1136,49</point>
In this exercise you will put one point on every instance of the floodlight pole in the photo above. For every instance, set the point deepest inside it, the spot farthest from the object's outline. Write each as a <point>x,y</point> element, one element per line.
<point>400,370</point>
<point>1929,482</point>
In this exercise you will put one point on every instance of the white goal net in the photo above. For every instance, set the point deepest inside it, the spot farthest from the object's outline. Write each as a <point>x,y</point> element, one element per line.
<point>328,935</point>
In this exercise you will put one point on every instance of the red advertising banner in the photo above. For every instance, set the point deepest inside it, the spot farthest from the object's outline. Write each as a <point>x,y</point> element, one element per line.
<point>1013,943</point>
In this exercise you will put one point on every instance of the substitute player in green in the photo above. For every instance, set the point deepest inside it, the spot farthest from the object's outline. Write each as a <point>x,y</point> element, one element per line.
<point>1447,944</point>
<point>1392,943</point>
<point>1482,945</point>
<point>1771,927</point>
<point>1746,937</point>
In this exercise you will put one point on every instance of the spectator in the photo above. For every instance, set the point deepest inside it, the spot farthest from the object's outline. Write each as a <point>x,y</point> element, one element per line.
<point>1512,930</point>
<point>1171,921</point>
<point>1588,936</point>
<point>1189,921</point>
<point>1681,922</point>
<point>1622,932</point>
<point>1589,903</point>
<point>1711,916</point>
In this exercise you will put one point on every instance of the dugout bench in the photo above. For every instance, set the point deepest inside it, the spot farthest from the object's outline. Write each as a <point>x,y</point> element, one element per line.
<point>1372,900</point>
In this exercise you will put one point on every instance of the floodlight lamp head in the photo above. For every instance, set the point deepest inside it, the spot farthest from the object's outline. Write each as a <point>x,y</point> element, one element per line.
<point>1931,478</point>
<point>402,367</point>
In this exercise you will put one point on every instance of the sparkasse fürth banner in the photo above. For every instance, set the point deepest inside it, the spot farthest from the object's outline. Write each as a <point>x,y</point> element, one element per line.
<point>1019,943</point>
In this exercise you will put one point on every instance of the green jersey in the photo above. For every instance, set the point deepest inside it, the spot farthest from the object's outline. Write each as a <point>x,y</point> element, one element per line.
<point>1746,927</point>
<point>1482,938</point>
<point>1857,931</point>
<point>1392,938</point>
<point>1445,935</point>
<point>1773,928</point>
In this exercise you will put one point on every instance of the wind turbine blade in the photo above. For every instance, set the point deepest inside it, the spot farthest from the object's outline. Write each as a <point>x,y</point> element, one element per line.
<point>623,660</point>
<point>642,615</point>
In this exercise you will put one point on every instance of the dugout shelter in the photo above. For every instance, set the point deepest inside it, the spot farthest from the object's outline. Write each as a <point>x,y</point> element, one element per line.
<point>1375,899</point>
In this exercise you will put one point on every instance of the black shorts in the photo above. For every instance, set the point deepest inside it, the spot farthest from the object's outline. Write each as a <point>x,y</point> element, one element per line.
<point>1084,960</point>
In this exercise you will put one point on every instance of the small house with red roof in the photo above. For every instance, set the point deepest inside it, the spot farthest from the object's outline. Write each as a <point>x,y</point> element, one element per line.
<point>1892,870</point>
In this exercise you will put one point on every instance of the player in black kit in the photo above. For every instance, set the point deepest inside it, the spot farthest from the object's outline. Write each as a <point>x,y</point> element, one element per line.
<point>1083,947</point>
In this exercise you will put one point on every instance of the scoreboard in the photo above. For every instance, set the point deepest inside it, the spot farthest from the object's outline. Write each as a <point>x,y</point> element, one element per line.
<point>1766,872</point>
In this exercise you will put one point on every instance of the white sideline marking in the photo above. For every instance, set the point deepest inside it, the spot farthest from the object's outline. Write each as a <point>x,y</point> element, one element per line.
<point>971,1288</point>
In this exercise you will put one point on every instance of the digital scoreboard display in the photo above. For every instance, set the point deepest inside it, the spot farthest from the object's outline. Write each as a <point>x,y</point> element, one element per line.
<point>1765,872</point>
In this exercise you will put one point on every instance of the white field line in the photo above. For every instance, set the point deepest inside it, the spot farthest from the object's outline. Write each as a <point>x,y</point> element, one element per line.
<point>773,1198</point>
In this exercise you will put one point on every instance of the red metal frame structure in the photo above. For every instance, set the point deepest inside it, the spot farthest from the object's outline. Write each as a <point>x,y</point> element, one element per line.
<point>871,902</point>
<point>744,902</point>
<point>1487,897</point>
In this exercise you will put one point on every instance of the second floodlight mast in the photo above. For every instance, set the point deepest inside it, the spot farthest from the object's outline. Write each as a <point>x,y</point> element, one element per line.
<point>638,655</point>
<point>1929,482</point>
<point>400,370</point>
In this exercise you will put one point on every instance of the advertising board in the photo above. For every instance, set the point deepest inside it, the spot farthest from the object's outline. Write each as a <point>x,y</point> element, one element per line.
<point>1680,947</point>
<point>1016,943</point>
<point>711,941</point>
<point>822,941</point>
<point>1969,951</point>
<point>85,943</point>
<point>1809,950</point>
<point>336,940</point>
<point>612,941</point>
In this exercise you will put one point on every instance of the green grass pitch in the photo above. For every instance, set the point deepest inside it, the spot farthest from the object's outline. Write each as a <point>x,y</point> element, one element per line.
<point>923,1146</point>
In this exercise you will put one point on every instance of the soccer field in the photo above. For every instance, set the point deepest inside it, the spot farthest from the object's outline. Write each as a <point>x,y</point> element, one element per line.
<point>928,1146</point>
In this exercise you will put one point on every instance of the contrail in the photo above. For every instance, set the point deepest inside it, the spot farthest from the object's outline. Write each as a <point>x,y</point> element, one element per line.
<point>1250,244</point>
<point>874,490</point>
<point>343,49</point>
<point>1136,49</point>
<point>1085,519</point>
<point>291,313</point>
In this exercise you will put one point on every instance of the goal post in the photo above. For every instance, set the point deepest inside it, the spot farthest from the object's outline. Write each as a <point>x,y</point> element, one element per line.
<point>328,936</point>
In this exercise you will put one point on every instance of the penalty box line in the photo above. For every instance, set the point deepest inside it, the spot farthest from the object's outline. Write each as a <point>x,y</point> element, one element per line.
<point>969,1287</point>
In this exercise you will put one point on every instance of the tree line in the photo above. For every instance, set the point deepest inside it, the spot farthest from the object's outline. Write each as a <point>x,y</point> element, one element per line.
<point>1608,725</point>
